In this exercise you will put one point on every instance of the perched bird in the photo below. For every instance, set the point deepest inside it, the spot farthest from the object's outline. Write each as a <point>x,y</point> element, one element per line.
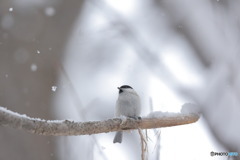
<point>128,104</point>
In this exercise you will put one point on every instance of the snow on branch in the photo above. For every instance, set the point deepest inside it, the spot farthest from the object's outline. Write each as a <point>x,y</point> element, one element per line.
<point>70,128</point>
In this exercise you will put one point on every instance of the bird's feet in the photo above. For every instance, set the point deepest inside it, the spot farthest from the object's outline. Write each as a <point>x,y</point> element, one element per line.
<point>135,117</point>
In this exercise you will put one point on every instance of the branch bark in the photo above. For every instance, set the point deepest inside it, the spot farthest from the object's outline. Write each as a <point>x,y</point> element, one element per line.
<point>70,128</point>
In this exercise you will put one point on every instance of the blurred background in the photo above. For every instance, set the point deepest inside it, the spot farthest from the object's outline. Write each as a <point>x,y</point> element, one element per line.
<point>65,59</point>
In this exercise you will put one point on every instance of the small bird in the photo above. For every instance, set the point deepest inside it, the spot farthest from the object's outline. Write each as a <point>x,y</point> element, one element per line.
<point>128,104</point>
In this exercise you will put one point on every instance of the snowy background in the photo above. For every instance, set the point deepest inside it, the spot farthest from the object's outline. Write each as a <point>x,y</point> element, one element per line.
<point>65,59</point>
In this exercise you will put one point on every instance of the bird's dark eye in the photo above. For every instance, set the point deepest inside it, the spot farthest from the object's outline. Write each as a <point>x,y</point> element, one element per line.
<point>120,91</point>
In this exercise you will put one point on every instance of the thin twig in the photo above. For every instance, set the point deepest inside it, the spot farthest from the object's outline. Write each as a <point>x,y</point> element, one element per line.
<point>143,145</point>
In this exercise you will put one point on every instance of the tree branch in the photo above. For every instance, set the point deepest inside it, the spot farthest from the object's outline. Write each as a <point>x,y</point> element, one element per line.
<point>70,128</point>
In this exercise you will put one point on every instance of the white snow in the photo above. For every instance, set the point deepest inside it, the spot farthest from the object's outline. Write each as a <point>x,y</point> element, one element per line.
<point>15,114</point>
<point>158,114</point>
<point>2,109</point>
<point>188,108</point>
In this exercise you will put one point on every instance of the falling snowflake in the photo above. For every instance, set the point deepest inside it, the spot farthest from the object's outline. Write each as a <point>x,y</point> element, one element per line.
<point>33,67</point>
<point>54,88</point>
<point>50,11</point>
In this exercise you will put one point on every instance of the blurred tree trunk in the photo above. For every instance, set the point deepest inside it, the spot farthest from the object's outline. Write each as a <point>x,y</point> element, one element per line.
<point>32,41</point>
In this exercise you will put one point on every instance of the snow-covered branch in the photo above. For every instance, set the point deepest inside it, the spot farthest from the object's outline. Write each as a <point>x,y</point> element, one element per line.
<point>69,128</point>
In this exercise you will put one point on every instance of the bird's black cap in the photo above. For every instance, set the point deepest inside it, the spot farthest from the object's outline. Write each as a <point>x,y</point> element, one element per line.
<point>124,87</point>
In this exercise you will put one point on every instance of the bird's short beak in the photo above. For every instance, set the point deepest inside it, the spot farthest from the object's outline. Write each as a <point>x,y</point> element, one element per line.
<point>118,87</point>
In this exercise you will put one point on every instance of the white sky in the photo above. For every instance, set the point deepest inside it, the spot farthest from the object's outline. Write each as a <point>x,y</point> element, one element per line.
<point>182,142</point>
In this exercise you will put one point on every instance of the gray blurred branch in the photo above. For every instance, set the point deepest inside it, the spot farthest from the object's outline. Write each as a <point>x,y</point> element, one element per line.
<point>69,128</point>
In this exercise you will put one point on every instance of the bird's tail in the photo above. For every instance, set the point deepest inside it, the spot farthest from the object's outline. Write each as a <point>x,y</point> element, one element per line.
<point>118,137</point>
